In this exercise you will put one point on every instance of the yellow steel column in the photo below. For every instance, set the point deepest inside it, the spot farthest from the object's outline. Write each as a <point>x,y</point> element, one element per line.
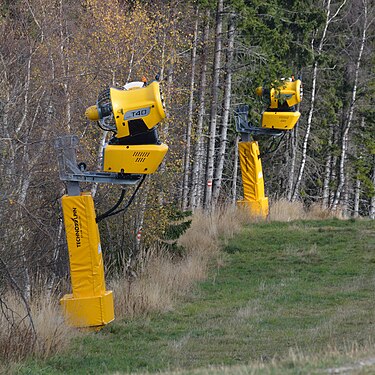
<point>252,179</point>
<point>89,305</point>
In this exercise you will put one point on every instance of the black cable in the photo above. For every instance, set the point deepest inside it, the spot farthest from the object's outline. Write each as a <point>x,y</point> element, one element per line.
<point>270,151</point>
<point>112,212</point>
<point>130,199</point>
<point>103,216</point>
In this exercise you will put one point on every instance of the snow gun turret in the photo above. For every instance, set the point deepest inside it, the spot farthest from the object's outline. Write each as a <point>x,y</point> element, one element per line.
<point>280,117</point>
<point>281,113</point>
<point>132,113</point>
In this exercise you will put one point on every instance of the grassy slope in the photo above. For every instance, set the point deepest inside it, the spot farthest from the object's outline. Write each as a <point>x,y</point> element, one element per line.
<point>307,286</point>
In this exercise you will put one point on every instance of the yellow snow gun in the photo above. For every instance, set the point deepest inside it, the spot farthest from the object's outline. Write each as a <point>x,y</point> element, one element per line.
<point>281,113</point>
<point>132,113</point>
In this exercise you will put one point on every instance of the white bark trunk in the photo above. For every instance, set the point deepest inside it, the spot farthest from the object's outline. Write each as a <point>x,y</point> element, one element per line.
<point>235,173</point>
<point>293,152</point>
<point>102,143</point>
<point>135,250</point>
<point>24,183</point>
<point>328,171</point>
<point>55,256</point>
<point>185,187</point>
<point>226,110</point>
<point>196,189</point>
<point>357,194</point>
<point>348,123</point>
<point>329,19</point>
<point>214,106</point>
<point>372,200</point>
<point>65,69</point>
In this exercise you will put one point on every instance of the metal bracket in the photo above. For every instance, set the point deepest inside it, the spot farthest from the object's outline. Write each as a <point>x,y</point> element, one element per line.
<point>66,148</point>
<point>245,128</point>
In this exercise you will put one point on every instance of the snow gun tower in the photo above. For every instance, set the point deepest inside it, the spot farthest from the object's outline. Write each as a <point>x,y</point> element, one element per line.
<point>280,117</point>
<point>131,113</point>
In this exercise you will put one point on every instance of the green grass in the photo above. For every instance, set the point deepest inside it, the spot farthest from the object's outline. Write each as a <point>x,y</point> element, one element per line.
<point>302,286</point>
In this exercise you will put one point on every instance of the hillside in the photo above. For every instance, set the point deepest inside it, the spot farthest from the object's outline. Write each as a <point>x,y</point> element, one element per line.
<point>293,297</point>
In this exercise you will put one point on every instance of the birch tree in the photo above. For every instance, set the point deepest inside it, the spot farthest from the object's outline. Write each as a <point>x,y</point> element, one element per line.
<point>215,89</point>
<point>328,20</point>
<point>372,199</point>
<point>196,186</point>
<point>348,120</point>
<point>185,187</point>
<point>221,154</point>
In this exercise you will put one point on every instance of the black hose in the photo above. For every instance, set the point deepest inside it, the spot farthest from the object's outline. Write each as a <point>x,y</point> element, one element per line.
<point>112,211</point>
<point>271,150</point>
<point>103,216</point>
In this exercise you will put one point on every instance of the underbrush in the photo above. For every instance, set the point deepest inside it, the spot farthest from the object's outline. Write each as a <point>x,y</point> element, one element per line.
<point>38,331</point>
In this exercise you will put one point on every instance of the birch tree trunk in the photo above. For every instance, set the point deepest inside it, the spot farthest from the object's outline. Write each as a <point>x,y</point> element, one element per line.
<point>185,187</point>
<point>372,200</point>
<point>329,19</point>
<point>65,69</point>
<point>293,152</point>
<point>24,183</point>
<point>235,172</point>
<point>196,189</point>
<point>357,194</point>
<point>328,171</point>
<point>102,142</point>
<point>348,122</point>
<point>226,110</point>
<point>214,107</point>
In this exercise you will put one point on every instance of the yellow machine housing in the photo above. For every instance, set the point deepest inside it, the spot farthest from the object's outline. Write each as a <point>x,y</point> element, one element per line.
<point>131,104</point>
<point>145,103</point>
<point>252,179</point>
<point>280,113</point>
<point>289,92</point>
<point>132,113</point>
<point>137,159</point>
<point>90,304</point>
<point>280,120</point>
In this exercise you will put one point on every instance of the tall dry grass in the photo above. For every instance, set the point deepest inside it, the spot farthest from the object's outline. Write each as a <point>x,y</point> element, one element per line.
<point>164,279</point>
<point>19,339</point>
<point>284,210</point>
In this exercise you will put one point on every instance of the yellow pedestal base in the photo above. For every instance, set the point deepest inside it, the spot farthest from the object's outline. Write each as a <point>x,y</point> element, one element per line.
<point>88,311</point>
<point>90,305</point>
<point>257,208</point>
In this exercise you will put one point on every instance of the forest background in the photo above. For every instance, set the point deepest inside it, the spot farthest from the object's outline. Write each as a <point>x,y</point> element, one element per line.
<point>56,56</point>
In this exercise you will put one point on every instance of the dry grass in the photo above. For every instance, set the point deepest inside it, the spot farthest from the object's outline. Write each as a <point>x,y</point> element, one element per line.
<point>284,210</point>
<point>17,338</point>
<point>158,286</point>
<point>164,279</point>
